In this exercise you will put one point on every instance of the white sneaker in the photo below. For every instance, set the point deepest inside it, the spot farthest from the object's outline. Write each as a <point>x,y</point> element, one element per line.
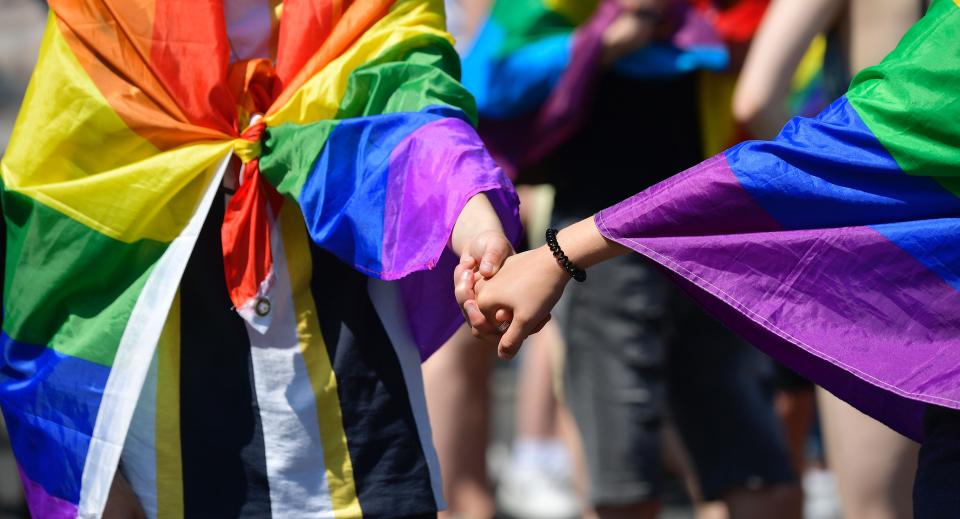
<point>821,499</point>
<point>533,493</point>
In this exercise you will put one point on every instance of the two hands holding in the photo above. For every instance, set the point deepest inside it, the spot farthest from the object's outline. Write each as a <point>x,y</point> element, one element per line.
<point>506,297</point>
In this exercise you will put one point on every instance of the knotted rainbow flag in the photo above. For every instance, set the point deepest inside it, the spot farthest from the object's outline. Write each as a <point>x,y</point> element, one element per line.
<point>125,136</point>
<point>836,246</point>
<point>535,63</point>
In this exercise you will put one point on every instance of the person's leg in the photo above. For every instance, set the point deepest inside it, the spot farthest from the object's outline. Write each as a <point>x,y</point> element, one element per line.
<point>794,403</point>
<point>536,401</point>
<point>936,491</point>
<point>874,465</point>
<point>721,400</point>
<point>613,383</point>
<point>456,380</point>
<point>537,480</point>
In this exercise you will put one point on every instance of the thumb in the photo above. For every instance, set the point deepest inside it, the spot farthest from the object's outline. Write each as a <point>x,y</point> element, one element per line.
<point>512,339</point>
<point>496,251</point>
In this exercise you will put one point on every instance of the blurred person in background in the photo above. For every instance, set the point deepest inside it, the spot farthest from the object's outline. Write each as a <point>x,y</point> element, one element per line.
<point>583,95</point>
<point>835,249</point>
<point>874,465</point>
<point>536,474</point>
<point>456,377</point>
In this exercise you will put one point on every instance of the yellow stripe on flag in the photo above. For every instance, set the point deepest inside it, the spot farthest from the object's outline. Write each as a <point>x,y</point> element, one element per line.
<point>169,460</point>
<point>343,490</point>
<point>319,98</point>
<point>71,151</point>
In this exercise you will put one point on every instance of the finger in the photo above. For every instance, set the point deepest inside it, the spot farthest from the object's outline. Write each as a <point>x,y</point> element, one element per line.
<point>468,261</point>
<point>541,325</point>
<point>478,283</point>
<point>503,315</point>
<point>477,319</point>
<point>480,327</point>
<point>464,289</point>
<point>513,338</point>
<point>496,251</point>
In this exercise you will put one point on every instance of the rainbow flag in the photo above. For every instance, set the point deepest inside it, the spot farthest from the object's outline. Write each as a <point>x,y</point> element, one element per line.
<point>127,131</point>
<point>835,247</point>
<point>535,62</point>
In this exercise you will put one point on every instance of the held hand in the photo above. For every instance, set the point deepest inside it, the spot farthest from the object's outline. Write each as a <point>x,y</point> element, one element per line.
<point>482,258</point>
<point>479,239</point>
<point>522,294</point>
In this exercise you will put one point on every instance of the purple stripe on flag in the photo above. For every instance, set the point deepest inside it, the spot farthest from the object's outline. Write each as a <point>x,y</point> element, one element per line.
<point>704,200</point>
<point>845,306</point>
<point>433,172</point>
<point>42,504</point>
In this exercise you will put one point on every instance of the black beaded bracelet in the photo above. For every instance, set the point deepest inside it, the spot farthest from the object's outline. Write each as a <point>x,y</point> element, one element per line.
<point>576,273</point>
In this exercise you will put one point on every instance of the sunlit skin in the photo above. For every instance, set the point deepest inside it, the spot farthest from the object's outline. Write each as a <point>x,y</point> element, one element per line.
<point>528,286</point>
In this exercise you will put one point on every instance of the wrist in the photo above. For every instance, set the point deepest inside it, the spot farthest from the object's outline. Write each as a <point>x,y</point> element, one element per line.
<point>555,273</point>
<point>476,218</point>
<point>562,259</point>
<point>585,246</point>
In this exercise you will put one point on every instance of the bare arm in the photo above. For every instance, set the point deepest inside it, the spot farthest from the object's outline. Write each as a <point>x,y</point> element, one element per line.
<point>876,26</point>
<point>760,101</point>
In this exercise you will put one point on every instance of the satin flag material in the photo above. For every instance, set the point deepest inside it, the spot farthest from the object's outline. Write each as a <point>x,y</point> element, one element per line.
<point>124,137</point>
<point>835,247</point>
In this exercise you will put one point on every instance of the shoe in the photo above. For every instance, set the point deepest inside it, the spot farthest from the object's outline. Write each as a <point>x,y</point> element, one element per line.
<point>821,499</point>
<point>533,493</point>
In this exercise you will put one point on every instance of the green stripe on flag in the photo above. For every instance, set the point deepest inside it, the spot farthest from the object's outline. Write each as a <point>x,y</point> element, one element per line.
<point>421,72</point>
<point>910,100</point>
<point>67,286</point>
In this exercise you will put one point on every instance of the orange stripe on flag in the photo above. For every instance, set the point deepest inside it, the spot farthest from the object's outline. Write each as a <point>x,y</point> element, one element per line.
<point>109,40</point>
<point>359,16</point>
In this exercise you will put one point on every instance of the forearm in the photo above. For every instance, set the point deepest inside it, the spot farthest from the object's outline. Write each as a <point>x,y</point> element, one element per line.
<point>760,100</point>
<point>585,246</point>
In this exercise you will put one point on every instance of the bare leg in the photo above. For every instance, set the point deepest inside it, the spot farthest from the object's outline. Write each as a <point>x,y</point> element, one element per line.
<point>795,410</point>
<point>456,380</point>
<point>536,399</point>
<point>876,26</point>
<point>538,481</point>
<point>874,466</point>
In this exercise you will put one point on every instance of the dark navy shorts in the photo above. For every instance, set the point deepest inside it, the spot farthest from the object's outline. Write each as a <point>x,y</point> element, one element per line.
<point>640,352</point>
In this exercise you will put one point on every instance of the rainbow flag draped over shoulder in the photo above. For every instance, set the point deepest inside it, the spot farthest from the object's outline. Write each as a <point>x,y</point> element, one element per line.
<point>126,132</point>
<point>535,63</point>
<point>835,247</point>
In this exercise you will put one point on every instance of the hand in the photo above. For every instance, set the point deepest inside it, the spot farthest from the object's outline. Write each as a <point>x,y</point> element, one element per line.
<point>479,239</point>
<point>522,294</point>
<point>482,258</point>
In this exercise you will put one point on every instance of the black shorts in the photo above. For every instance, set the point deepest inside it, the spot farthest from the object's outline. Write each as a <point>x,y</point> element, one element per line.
<point>638,351</point>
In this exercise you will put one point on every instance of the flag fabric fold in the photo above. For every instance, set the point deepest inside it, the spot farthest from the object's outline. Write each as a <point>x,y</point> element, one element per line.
<point>534,65</point>
<point>834,247</point>
<point>125,136</point>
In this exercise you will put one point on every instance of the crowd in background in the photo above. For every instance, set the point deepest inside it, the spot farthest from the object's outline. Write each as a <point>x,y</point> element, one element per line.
<point>632,389</point>
<point>633,400</point>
